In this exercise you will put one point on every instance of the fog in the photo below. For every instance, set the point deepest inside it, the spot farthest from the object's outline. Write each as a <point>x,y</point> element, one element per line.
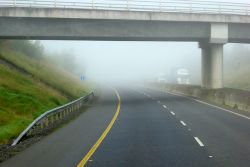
<point>128,61</point>
<point>123,62</point>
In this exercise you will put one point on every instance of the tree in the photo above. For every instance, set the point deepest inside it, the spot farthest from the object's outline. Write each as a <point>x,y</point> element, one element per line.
<point>29,48</point>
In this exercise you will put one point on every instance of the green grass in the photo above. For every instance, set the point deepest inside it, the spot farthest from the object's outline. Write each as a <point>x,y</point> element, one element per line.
<point>47,72</point>
<point>23,98</point>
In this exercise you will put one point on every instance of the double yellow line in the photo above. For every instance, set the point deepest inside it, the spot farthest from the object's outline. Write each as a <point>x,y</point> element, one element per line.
<point>104,134</point>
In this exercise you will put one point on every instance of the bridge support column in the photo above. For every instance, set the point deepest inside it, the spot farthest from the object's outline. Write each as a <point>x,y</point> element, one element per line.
<point>212,56</point>
<point>212,65</point>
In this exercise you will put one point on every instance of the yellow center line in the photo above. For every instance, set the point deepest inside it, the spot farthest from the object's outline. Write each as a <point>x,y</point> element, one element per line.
<point>104,134</point>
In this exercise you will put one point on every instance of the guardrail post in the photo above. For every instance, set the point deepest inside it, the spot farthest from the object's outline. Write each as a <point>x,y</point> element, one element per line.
<point>63,115</point>
<point>55,117</point>
<point>60,115</point>
<point>14,3</point>
<point>51,119</point>
<point>41,125</point>
<point>55,3</point>
<point>46,122</point>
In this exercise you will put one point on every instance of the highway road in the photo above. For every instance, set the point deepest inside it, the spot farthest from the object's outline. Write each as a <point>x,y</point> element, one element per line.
<point>144,128</point>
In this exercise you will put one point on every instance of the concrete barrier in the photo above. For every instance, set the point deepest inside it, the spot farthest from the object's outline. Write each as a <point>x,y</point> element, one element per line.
<point>228,97</point>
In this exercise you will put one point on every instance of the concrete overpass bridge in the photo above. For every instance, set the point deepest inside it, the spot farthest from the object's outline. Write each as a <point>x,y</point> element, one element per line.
<point>212,24</point>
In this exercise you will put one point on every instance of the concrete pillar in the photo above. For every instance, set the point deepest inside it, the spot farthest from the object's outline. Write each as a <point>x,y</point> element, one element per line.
<point>212,65</point>
<point>205,52</point>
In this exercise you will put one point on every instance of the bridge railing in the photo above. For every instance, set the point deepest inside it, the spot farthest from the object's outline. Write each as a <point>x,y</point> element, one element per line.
<point>50,118</point>
<point>184,6</point>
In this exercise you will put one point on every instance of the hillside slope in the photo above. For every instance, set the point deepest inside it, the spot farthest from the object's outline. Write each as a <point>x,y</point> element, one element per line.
<point>30,86</point>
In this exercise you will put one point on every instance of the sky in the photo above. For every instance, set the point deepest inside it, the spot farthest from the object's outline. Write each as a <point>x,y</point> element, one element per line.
<point>130,61</point>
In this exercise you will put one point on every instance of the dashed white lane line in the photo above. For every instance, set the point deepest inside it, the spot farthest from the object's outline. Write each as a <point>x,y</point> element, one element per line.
<point>172,112</point>
<point>158,101</point>
<point>164,106</point>
<point>199,142</point>
<point>183,123</point>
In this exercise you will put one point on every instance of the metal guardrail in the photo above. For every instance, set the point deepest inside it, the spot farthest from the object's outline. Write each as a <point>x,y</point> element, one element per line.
<point>54,115</point>
<point>182,6</point>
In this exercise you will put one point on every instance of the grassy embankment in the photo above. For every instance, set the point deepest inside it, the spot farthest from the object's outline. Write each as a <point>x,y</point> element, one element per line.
<point>30,88</point>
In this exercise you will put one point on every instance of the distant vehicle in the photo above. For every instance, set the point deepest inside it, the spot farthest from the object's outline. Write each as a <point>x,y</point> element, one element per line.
<point>183,76</point>
<point>161,78</point>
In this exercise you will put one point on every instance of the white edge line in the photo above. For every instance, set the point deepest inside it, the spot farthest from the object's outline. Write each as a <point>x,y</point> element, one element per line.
<point>199,142</point>
<point>183,123</point>
<point>240,115</point>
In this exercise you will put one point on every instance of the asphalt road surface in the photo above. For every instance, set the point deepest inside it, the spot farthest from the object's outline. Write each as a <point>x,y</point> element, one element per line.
<point>153,129</point>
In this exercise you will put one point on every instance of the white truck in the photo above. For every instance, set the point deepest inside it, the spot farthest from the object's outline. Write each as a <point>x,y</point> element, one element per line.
<point>183,76</point>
